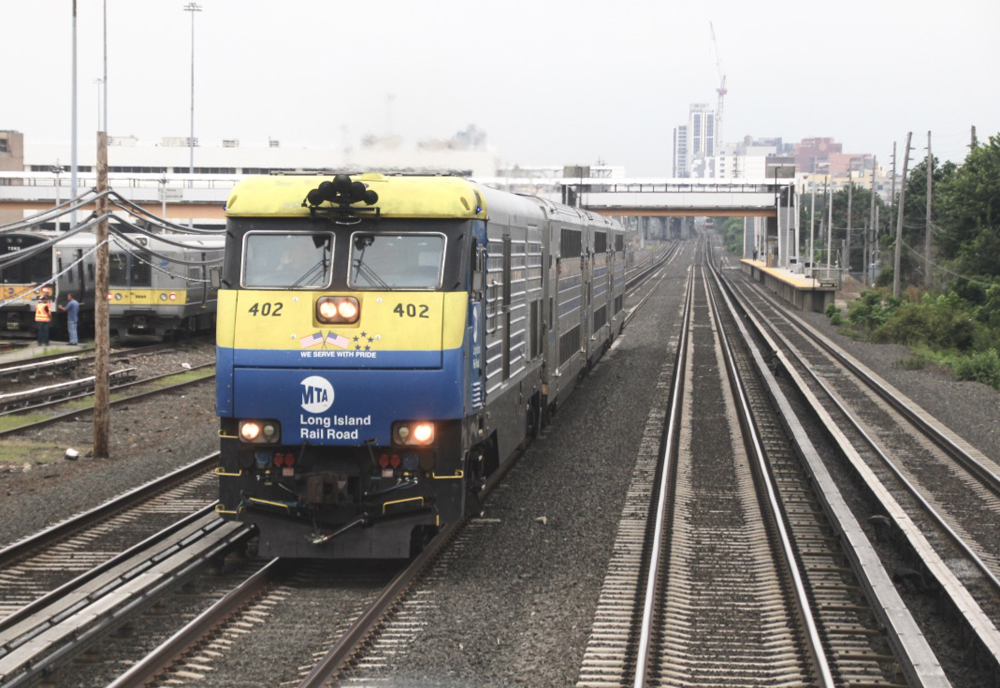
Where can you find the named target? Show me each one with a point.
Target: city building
(695, 144)
(466, 153)
(749, 158)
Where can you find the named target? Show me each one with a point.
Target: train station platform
(805, 293)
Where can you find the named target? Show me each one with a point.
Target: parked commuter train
(386, 343)
(159, 286)
(22, 283)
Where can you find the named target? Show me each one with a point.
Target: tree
(970, 213)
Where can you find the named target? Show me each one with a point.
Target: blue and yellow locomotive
(386, 343)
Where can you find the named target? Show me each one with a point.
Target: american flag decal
(337, 340)
(311, 340)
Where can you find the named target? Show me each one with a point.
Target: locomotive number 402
(266, 309)
(411, 310)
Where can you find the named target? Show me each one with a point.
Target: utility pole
(73, 154)
(829, 222)
(872, 234)
(973, 141)
(812, 228)
(899, 219)
(192, 7)
(102, 333)
(927, 229)
(850, 192)
(892, 188)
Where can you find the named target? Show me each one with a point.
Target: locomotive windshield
(287, 261)
(396, 261)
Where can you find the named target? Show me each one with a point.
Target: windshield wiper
(315, 271)
(370, 275)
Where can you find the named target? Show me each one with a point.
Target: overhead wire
(55, 278)
(23, 255)
(139, 229)
(145, 249)
(920, 255)
(46, 215)
(160, 269)
(134, 209)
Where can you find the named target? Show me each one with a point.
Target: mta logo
(317, 394)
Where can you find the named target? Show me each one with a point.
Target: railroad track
(49, 363)
(936, 498)
(69, 415)
(52, 395)
(42, 562)
(709, 605)
(70, 584)
(60, 625)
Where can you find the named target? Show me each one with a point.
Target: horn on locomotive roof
(341, 193)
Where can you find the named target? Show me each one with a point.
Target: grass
(187, 376)
(26, 451)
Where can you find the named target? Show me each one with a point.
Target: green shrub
(930, 323)
(832, 310)
(869, 312)
(983, 366)
(836, 320)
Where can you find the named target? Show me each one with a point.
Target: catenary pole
(829, 221)
(899, 219)
(872, 234)
(73, 146)
(927, 229)
(850, 200)
(892, 188)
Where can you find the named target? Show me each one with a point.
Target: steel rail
(60, 530)
(918, 661)
(79, 412)
(887, 462)
(160, 659)
(791, 562)
(76, 627)
(52, 595)
(84, 395)
(84, 354)
(669, 453)
(989, 479)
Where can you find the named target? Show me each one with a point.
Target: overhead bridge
(681, 197)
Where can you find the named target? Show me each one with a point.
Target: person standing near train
(72, 309)
(43, 316)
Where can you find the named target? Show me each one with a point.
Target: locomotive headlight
(419, 433)
(337, 309)
(260, 431)
(249, 430)
(423, 433)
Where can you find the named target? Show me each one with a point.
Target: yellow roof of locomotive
(430, 197)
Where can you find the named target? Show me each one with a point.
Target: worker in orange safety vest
(43, 316)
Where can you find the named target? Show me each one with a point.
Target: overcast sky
(551, 82)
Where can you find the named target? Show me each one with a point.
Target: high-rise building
(695, 143)
(680, 151)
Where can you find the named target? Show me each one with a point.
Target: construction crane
(721, 90)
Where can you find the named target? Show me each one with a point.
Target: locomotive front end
(343, 366)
